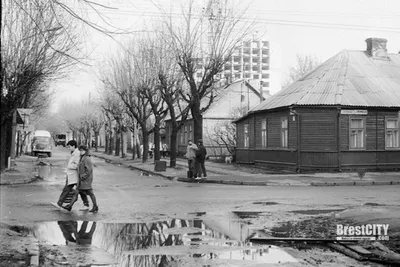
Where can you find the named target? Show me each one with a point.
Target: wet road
(126, 197)
(124, 194)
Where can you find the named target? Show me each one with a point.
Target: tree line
(172, 70)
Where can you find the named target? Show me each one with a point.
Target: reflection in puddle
(213, 241)
(47, 172)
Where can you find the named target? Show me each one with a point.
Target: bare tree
(224, 133)
(125, 81)
(304, 65)
(146, 68)
(170, 82)
(113, 111)
(38, 45)
(203, 43)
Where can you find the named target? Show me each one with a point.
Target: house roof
(229, 93)
(350, 78)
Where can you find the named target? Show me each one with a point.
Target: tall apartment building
(250, 60)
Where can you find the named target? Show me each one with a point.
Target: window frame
(264, 133)
(387, 118)
(364, 129)
(246, 135)
(284, 132)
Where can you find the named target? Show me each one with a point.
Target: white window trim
(398, 133)
(364, 133)
(246, 143)
(264, 139)
(286, 132)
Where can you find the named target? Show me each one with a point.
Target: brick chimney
(376, 48)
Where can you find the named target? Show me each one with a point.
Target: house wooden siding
(323, 145)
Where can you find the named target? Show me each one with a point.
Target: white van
(42, 143)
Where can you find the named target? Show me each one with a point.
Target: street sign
(354, 112)
(24, 114)
(25, 128)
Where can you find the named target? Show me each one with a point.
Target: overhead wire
(307, 23)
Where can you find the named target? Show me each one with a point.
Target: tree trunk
(96, 141)
(110, 141)
(106, 145)
(197, 124)
(17, 153)
(173, 147)
(145, 145)
(123, 142)
(13, 132)
(157, 139)
(137, 145)
(117, 140)
(4, 145)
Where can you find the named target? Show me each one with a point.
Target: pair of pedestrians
(79, 174)
(196, 155)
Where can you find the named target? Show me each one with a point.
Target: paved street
(127, 196)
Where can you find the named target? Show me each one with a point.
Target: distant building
(249, 61)
(344, 115)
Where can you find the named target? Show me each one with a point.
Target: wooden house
(344, 115)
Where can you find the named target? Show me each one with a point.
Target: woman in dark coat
(85, 172)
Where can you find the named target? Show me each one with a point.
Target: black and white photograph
(200, 133)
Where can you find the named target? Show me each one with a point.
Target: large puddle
(176, 242)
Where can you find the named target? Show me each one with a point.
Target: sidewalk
(222, 173)
(24, 171)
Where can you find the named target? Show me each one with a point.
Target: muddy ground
(16, 243)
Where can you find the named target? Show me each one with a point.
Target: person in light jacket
(85, 171)
(72, 177)
(191, 156)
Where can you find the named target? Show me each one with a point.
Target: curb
(356, 183)
(24, 181)
(169, 177)
(232, 182)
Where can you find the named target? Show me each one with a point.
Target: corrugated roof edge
(316, 106)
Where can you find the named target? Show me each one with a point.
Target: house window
(264, 133)
(392, 133)
(190, 132)
(284, 132)
(246, 135)
(357, 130)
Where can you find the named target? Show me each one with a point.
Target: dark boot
(94, 209)
(94, 201)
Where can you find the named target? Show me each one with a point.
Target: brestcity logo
(362, 232)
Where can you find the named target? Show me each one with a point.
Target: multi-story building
(250, 61)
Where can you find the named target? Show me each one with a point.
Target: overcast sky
(318, 27)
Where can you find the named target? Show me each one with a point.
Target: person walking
(72, 177)
(191, 156)
(201, 154)
(85, 172)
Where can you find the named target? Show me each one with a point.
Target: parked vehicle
(60, 139)
(42, 143)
